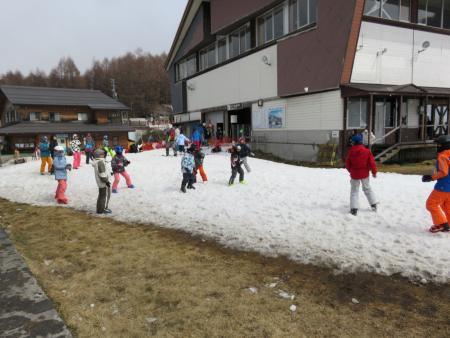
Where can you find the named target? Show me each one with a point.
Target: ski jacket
(235, 160)
(187, 163)
(89, 145)
(245, 150)
(53, 144)
(442, 172)
(181, 140)
(101, 173)
(118, 163)
(45, 149)
(196, 136)
(60, 167)
(199, 156)
(360, 162)
(75, 145)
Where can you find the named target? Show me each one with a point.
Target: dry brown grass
(197, 289)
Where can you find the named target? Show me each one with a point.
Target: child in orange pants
(199, 156)
(438, 203)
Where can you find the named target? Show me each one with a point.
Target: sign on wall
(269, 118)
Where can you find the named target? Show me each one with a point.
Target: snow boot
(114, 191)
(374, 207)
(131, 186)
(107, 211)
(354, 212)
(183, 188)
(242, 182)
(191, 187)
(440, 228)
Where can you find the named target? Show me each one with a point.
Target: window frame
(443, 7)
(270, 14)
(362, 122)
(380, 9)
(37, 116)
(82, 114)
(295, 16)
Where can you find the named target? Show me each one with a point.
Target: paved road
(25, 310)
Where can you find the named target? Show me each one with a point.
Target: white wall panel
(322, 111)
(389, 55)
(247, 79)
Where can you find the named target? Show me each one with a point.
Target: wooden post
(369, 127)
(401, 119)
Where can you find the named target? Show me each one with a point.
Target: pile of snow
(301, 213)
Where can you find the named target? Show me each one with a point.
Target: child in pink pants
(60, 169)
(118, 164)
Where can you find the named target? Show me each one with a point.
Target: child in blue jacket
(187, 168)
(60, 168)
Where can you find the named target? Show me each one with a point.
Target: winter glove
(374, 175)
(69, 167)
(108, 184)
(427, 178)
(125, 163)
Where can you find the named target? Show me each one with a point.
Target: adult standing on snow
(360, 163)
(75, 145)
(101, 171)
(438, 204)
(89, 145)
(170, 139)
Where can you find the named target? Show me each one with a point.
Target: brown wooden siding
(67, 114)
(226, 12)
(315, 58)
(352, 42)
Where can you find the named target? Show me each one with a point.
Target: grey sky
(37, 33)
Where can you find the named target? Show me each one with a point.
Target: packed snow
(301, 213)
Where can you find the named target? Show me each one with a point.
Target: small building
(29, 113)
(297, 74)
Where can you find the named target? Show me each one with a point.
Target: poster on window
(275, 117)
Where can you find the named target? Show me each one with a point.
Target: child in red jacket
(359, 163)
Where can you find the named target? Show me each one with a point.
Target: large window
(208, 57)
(222, 50)
(389, 9)
(35, 116)
(434, 13)
(357, 113)
(54, 117)
(186, 68)
(239, 41)
(271, 25)
(82, 116)
(302, 13)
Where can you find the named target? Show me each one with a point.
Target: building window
(389, 9)
(239, 41)
(186, 68)
(302, 13)
(10, 115)
(435, 13)
(54, 117)
(222, 50)
(82, 116)
(35, 116)
(271, 25)
(208, 57)
(357, 113)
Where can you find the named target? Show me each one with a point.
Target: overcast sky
(37, 33)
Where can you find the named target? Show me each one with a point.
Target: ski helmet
(75, 136)
(443, 142)
(119, 149)
(44, 139)
(59, 150)
(99, 153)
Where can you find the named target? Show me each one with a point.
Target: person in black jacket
(53, 144)
(236, 163)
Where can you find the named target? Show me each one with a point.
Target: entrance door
(379, 121)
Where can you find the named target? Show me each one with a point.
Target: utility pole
(114, 92)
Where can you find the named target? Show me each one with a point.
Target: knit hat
(99, 153)
(357, 139)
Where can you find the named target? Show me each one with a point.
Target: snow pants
(202, 174)
(234, 172)
(44, 161)
(76, 159)
(171, 144)
(438, 204)
(89, 156)
(60, 194)
(354, 194)
(117, 179)
(188, 179)
(104, 194)
(181, 148)
(246, 165)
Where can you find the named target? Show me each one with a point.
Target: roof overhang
(363, 89)
(186, 21)
(63, 128)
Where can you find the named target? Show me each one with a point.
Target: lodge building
(296, 74)
(29, 113)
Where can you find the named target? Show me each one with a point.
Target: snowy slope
(286, 210)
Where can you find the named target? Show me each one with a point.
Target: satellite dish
(426, 44)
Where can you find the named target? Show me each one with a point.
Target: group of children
(192, 163)
(59, 167)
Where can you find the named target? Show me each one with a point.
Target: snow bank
(298, 212)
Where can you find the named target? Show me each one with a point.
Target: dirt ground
(111, 279)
